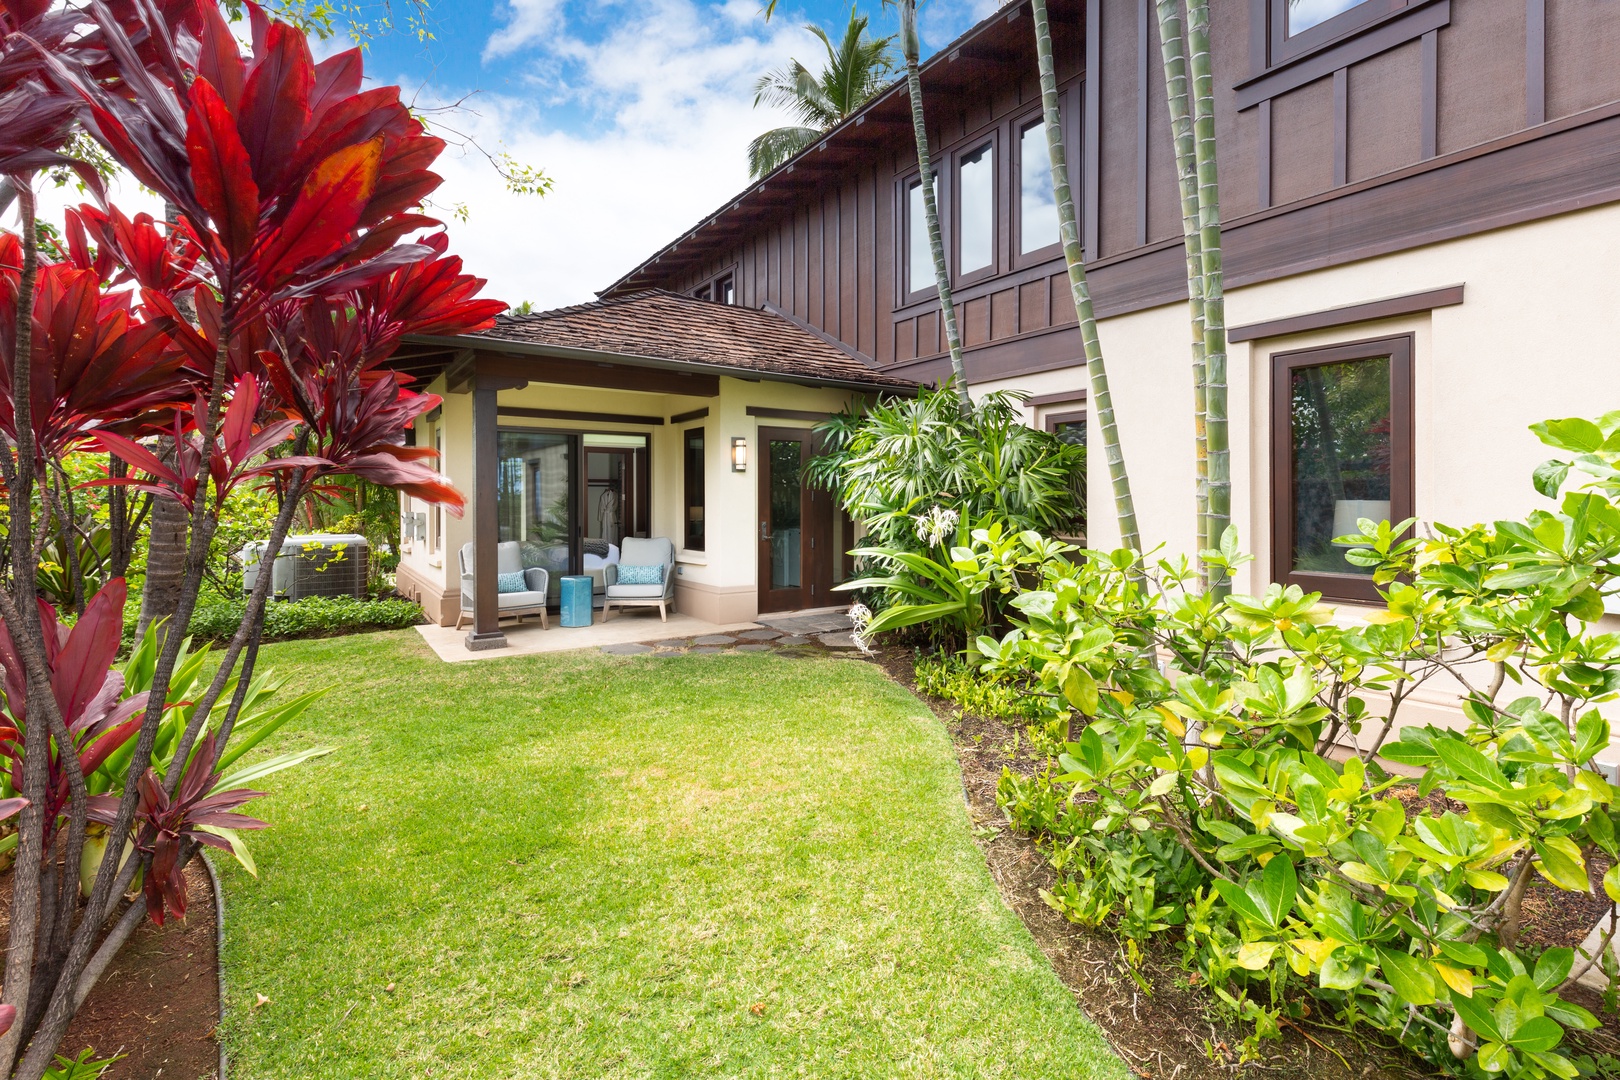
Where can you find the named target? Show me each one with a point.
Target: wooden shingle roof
(660, 325)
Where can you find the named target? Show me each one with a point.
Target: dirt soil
(158, 1004)
(1173, 1032)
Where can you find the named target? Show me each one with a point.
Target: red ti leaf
(221, 170)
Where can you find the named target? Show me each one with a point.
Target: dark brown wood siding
(1437, 118)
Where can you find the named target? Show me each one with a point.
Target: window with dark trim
(1297, 27)
(1035, 206)
(725, 290)
(1341, 450)
(693, 529)
(704, 292)
(919, 257)
(975, 211)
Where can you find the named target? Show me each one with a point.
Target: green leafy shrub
(1229, 786)
(952, 678)
(316, 615)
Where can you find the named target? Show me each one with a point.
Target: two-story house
(1421, 205)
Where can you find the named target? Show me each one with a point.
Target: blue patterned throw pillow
(641, 575)
(513, 582)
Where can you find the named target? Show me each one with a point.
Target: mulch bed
(158, 1004)
(1174, 1032)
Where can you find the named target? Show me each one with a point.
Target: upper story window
(976, 210)
(1037, 208)
(722, 290)
(1341, 451)
(1299, 27)
(919, 257)
(1304, 14)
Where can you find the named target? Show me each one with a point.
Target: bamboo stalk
(1179, 94)
(1209, 228)
(1102, 400)
(925, 168)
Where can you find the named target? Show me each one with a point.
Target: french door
(796, 556)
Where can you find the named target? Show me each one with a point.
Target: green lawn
(587, 866)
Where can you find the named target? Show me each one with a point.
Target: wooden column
(486, 632)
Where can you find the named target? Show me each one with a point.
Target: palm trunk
(1179, 93)
(1102, 402)
(925, 169)
(1209, 230)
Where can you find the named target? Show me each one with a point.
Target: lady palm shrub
(904, 456)
(1229, 787)
(924, 477)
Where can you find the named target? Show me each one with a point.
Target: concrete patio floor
(634, 632)
(527, 637)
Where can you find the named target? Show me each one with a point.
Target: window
(725, 290)
(704, 292)
(919, 256)
(1304, 14)
(975, 210)
(1300, 27)
(693, 539)
(1037, 209)
(1341, 451)
(436, 530)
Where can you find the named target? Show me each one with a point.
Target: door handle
(764, 530)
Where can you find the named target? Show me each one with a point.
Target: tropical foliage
(239, 346)
(1234, 786)
(857, 67)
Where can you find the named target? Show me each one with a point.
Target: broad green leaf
(1560, 862)
(260, 769)
(1274, 890)
(1413, 979)
(1469, 764)
(1256, 955)
(1240, 902)
(1081, 690)
(1537, 1036)
(1553, 967)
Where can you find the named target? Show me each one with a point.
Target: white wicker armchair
(641, 551)
(508, 560)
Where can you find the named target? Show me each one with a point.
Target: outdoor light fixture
(739, 454)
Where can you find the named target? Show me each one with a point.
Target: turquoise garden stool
(576, 600)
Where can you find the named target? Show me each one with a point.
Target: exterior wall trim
(1349, 314)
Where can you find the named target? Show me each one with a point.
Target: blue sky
(640, 110)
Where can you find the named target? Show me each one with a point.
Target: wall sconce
(739, 454)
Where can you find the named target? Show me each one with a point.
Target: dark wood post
(486, 631)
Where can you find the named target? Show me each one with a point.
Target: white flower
(859, 617)
(934, 526)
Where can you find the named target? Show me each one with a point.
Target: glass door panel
(535, 502)
(786, 512)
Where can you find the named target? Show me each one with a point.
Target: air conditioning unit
(316, 564)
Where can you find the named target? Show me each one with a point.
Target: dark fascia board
(1063, 397)
(656, 363)
(1350, 314)
(941, 60)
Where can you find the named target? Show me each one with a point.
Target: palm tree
(1068, 229)
(857, 67)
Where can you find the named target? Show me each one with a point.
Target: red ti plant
(297, 194)
(168, 824)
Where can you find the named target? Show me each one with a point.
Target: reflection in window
(534, 497)
(725, 290)
(1072, 432)
(1341, 458)
(694, 538)
(919, 259)
(1037, 209)
(976, 205)
(786, 506)
(1304, 14)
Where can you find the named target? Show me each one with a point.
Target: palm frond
(771, 149)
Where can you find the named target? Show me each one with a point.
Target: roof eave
(657, 363)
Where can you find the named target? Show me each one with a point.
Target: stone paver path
(829, 631)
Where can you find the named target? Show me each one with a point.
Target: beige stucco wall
(719, 583)
(1535, 337)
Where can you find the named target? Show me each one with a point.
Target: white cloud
(671, 91)
(941, 22)
(527, 22)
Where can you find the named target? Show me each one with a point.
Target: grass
(584, 866)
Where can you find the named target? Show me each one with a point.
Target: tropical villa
(1419, 201)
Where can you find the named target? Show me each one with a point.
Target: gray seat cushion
(634, 592)
(521, 600)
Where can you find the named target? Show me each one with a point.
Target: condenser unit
(318, 564)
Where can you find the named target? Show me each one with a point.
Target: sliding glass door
(570, 498)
